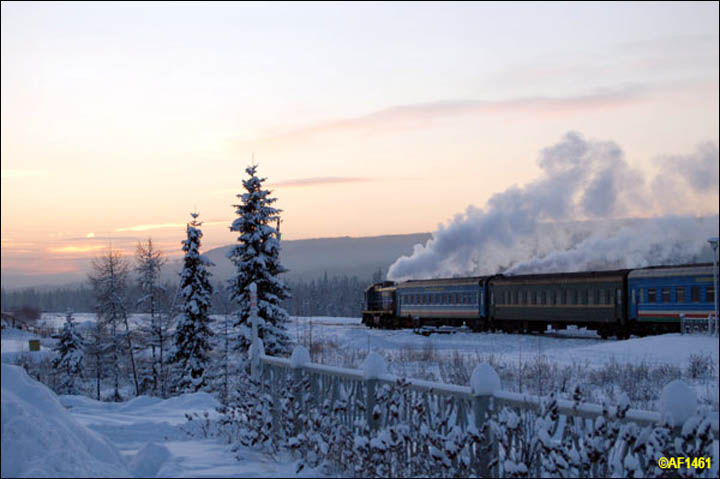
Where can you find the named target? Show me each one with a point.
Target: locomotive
(618, 303)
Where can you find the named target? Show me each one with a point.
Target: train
(650, 300)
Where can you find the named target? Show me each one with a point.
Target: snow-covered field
(44, 435)
(146, 437)
(578, 345)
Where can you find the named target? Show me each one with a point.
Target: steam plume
(539, 227)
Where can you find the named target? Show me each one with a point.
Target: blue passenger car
(660, 294)
(451, 301)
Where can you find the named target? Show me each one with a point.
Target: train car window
(618, 296)
(710, 294)
(641, 298)
(680, 294)
(651, 295)
(665, 292)
(634, 300)
(695, 294)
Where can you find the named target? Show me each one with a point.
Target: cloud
(150, 227)
(323, 180)
(418, 113)
(165, 225)
(76, 249)
(7, 174)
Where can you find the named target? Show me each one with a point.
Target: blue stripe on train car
(662, 294)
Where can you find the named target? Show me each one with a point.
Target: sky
(119, 119)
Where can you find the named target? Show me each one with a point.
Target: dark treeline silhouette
(336, 296)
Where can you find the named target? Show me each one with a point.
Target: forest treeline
(334, 296)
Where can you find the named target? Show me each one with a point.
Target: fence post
(299, 357)
(483, 383)
(678, 402)
(370, 385)
(373, 367)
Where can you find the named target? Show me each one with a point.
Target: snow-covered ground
(44, 435)
(147, 437)
(578, 345)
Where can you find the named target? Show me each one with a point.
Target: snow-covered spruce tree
(191, 352)
(69, 361)
(257, 260)
(109, 282)
(149, 263)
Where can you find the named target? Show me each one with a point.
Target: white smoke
(537, 228)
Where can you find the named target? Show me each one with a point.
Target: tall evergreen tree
(69, 361)
(149, 263)
(257, 260)
(191, 353)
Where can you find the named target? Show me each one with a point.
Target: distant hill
(345, 256)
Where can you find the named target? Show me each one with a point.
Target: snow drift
(41, 439)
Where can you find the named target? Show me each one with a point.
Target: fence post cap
(484, 380)
(374, 366)
(300, 356)
(678, 402)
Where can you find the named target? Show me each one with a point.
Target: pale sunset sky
(119, 119)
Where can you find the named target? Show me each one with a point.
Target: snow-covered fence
(707, 325)
(359, 399)
(377, 424)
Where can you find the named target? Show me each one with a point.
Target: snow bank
(148, 461)
(41, 439)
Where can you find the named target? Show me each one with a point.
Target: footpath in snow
(44, 435)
